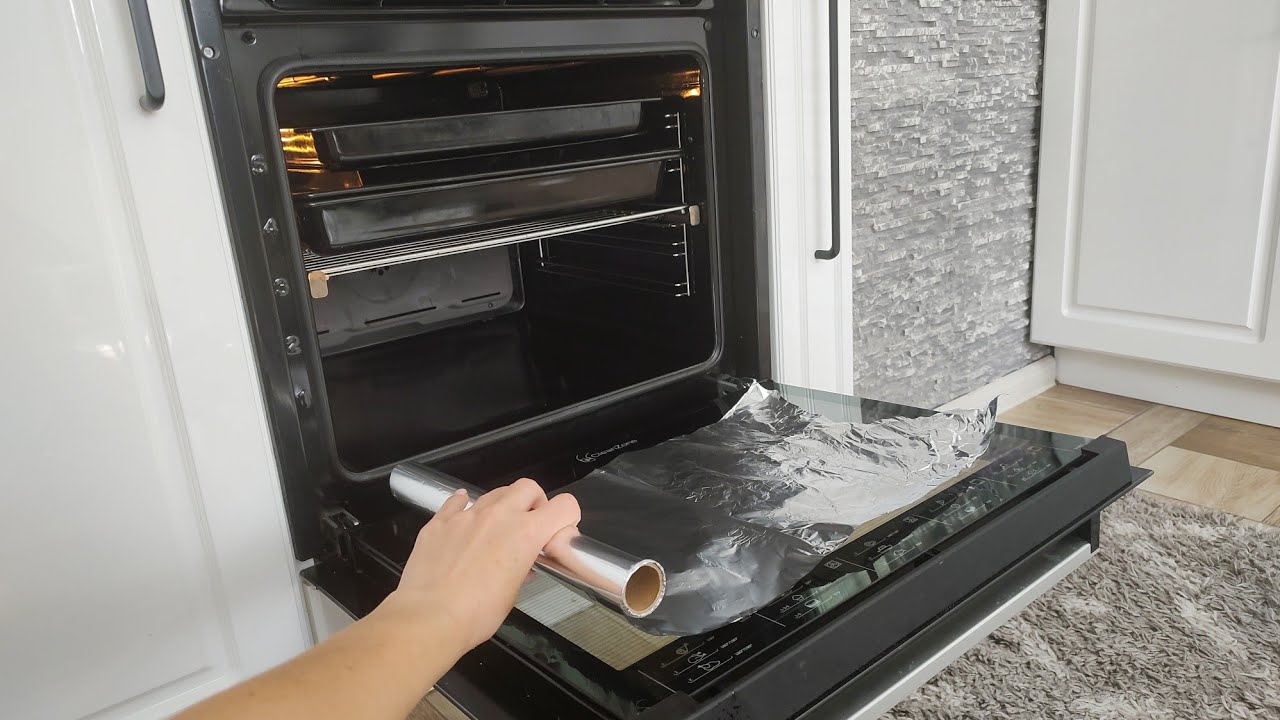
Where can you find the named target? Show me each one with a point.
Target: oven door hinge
(341, 526)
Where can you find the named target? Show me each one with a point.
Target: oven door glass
(593, 654)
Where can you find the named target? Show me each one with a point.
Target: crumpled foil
(740, 510)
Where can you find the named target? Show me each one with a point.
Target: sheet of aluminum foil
(741, 509)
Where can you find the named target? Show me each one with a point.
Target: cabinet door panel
(1156, 232)
(111, 605)
(145, 560)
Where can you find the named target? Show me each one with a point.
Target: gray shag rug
(1177, 617)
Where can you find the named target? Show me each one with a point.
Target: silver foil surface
(740, 510)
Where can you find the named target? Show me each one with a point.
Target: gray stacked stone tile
(946, 97)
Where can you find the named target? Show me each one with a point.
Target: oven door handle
(833, 48)
(152, 78)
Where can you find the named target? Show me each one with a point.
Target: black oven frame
(244, 46)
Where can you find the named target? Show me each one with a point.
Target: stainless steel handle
(833, 49)
(152, 78)
(634, 585)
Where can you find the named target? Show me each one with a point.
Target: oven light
(691, 93)
(389, 75)
(458, 70)
(301, 80)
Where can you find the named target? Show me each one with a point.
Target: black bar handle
(145, 37)
(833, 47)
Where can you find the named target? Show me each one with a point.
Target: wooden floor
(1201, 459)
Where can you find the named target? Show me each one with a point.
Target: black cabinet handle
(833, 46)
(145, 37)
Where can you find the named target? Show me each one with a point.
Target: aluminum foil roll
(635, 586)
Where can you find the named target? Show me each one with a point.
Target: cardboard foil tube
(635, 586)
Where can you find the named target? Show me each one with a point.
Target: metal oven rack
(658, 264)
(320, 268)
(655, 261)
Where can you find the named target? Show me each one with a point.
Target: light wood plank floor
(1205, 460)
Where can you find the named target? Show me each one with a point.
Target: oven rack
(320, 268)
(655, 264)
(678, 288)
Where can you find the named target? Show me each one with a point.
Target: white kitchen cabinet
(146, 564)
(1156, 234)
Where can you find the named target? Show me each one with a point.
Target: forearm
(378, 668)
(461, 579)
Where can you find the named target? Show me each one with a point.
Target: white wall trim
(811, 300)
(1013, 389)
(1201, 390)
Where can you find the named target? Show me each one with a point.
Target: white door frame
(811, 300)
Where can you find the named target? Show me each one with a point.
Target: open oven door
(868, 625)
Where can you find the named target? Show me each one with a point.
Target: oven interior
(485, 244)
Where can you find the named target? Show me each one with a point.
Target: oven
(514, 238)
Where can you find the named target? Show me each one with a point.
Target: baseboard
(1013, 389)
(1200, 390)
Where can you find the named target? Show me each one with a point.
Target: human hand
(467, 565)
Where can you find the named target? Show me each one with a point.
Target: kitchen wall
(945, 97)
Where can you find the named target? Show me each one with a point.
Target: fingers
(547, 517)
(559, 542)
(526, 494)
(555, 515)
(523, 494)
(456, 503)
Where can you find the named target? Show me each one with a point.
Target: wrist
(427, 621)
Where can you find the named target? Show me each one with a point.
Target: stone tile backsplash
(946, 97)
